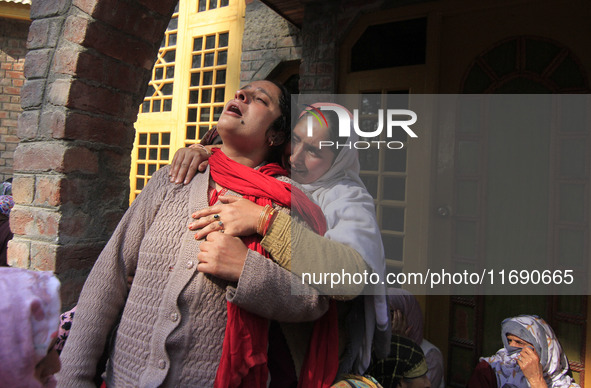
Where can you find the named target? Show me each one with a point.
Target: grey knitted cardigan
(172, 327)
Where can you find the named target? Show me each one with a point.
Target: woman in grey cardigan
(173, 318)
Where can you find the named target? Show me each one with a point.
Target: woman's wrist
(200, 146)
(539, 383)
(535, 378)
(269, 221)
(266, 217)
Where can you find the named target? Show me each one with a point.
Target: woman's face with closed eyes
(247, 118)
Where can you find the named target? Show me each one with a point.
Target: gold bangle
(200, 146)
(268, 221)
(262, 218)
(261, 215)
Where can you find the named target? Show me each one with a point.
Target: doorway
(467, 195)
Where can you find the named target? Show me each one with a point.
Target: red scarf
(244, 351)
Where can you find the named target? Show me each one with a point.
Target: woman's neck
(252, 159)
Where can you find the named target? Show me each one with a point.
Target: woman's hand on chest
(222, 256)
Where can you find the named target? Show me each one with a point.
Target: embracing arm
(105, 291)
(288, 241)
(187, 161)
(240, 218)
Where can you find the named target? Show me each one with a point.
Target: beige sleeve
(330, 266)
(277, 241)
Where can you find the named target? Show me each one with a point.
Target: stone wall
(87, 69)
(326, 24)
(13, 40)
(268, 41)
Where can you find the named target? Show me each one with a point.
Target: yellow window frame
(173, 124)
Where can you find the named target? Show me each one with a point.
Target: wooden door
(466, 195)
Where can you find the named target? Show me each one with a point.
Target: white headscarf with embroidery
(537, 332)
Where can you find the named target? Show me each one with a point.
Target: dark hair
(211, 137)
(282, 124)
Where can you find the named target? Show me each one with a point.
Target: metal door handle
(443, 211)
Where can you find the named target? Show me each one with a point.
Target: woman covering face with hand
(197, 312)
(531, 357)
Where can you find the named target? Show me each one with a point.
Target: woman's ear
(276, 139)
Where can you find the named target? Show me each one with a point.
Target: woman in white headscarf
(29, 317)
(330, 177)
(531, 357)
(349, 210)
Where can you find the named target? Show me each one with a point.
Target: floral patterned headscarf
(6, 204)
(537, 332)
(29, 318)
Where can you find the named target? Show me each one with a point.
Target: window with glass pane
(158, 96)
(394, 44)
(208, 5)
(384, 170)
(153, 151)
(207, 84)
